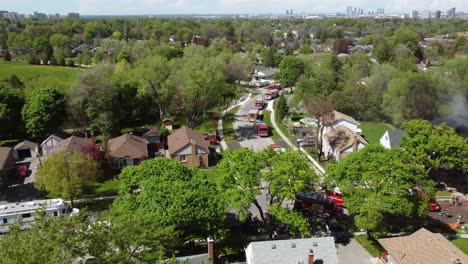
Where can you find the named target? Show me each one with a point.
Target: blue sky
(122, 7)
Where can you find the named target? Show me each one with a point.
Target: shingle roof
(72, 143)
(422, 246)
(27, 144)
(341, 116)
(342, 137)
(293, 251)
(182, 137)
(194, 259)
(128, 146)
(58, 135)
(152, 132)
(394, 136)
(4, 155)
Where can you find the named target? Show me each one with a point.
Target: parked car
(433, 205)
(336, 231)
(22, 171)
(306, 143)
(212, 139)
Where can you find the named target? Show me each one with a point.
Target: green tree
(43, 49)
(382, 50)
(61, 45)
(43, 111)
(198, 210)
(97, 57)
(298, 225)
(306, 49)
(435, 146)
(10, 111)
(291, 68)
(381, 184)
(322, 111)
(239, 179)
(153, 74)
(282, 108)
(66, 173)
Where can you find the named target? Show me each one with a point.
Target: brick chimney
(194, 157)
(210, 250)
(310, 258)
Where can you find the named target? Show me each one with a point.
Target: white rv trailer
(24, 213)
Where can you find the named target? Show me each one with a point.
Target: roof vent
(273, 246)
(293, 245)
(314, 243)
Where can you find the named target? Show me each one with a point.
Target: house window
(64, 211)
(55, 213)
(5, 220)
(118, 164)
(183, 158)
(26, 215)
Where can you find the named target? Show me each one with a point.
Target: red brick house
(188, 147)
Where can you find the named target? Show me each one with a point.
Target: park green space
(62, 76)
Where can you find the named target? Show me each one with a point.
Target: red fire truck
(261, 128)
(317, 203)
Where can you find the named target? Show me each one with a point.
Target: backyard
(373, 131)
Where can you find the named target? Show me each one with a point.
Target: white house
(49, 143)
(391, 138)
(340, 141)
(343, 120)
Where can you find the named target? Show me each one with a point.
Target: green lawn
(58, 75)
(443, 193)
(373, 247)
(228, 125)
(373, 131)
(267, 120)
(211, 174)
(99, 189)
(462, 244)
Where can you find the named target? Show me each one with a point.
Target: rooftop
(128, 146)
(4, 154)
(423, 246)
(182, 137)
(10, 208)
(72, 143)
(292, 251)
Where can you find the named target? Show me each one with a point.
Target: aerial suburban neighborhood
(233, 132)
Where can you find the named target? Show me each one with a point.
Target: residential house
(153, 137)
(127, 150)
(7, 165)
(391, 138)
(49, 143)
(25, 150)
(168, 123)
(262, 73)
(72, 143)
(304, 251)
(188, 147)
(422, 246)
(81, 48)
(341, 119)
(341, 141)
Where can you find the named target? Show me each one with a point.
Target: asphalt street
(244, 129)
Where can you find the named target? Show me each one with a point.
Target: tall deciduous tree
(10, 111)
(66, 173)
(291, 68)
(380, 185)
(174, 195)
(153, 73)
(282, 108)
(43, 111)
(61, 46)
(435, 146)
(322, 111)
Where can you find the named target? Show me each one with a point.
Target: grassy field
(462, 244)
(373, 247)
(373, 131)
(61, 76)
(267, 120)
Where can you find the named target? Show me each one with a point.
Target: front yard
(372, 246)
(373, 131)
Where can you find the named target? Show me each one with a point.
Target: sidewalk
(318, 169)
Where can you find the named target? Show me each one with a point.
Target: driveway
(352, 253)
(244, 129)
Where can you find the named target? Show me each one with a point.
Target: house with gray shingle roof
(293, 251)
(391, 138)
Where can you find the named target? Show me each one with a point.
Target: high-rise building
(291, 12)
(426, 14)
(349, 10)
(287, 12)
(437, 14)
(74, 15)
(415, 14)
(451, 13)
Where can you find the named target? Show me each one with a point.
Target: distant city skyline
(142, 7)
